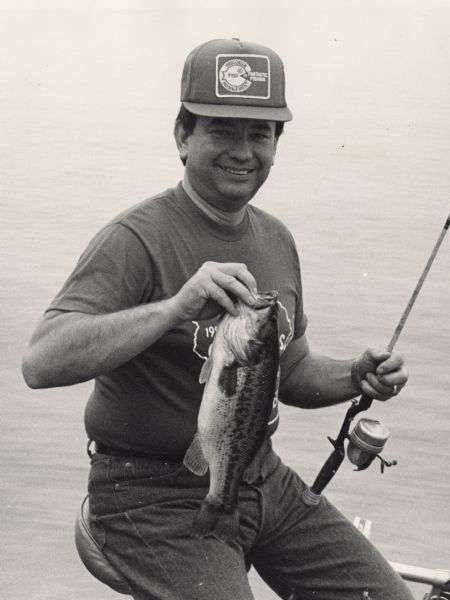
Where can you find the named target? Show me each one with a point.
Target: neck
(215, 214)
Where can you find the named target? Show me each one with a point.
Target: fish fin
(227, 527)
(194, 458)
(206, 370)
(215, 519)
(228, 379)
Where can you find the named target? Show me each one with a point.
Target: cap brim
(229, 111)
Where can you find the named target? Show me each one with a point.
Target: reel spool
(366, 441)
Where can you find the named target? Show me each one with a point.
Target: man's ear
(274, 150)
(182, 140)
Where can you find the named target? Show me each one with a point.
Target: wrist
(172, 312)
(356, 377)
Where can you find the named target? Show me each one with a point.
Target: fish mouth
(263, 299)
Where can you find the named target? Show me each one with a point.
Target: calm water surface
(361, 179)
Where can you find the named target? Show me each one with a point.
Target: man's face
(227, 160)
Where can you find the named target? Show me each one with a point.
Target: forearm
(318, 381)
(69, 348)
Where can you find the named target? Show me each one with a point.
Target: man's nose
(240, 148)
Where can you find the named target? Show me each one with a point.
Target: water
(88, 100)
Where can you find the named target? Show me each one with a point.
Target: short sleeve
(301, 320)
(112, 274)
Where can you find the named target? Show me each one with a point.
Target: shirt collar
(215, 214)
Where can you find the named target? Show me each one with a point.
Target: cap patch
(242, 76)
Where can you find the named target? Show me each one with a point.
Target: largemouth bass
(241, 380)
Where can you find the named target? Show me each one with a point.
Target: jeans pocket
(98, 531)
(136, 472)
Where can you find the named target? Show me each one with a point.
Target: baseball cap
(235, 79)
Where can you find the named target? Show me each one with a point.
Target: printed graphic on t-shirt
(203, 336)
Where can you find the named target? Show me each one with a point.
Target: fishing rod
(369, 436)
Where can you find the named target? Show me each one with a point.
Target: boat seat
(90, 552)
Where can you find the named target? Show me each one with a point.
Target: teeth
(237, 171)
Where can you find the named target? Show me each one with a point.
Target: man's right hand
(70, 347)
(212, 289)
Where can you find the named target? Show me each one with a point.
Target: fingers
(213, 288)
(218, 295)
(383, 374)
(236, 283)
(374, 388)
(239, 272)
(372, 359)
(392, 363)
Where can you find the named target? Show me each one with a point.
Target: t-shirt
(150, 404)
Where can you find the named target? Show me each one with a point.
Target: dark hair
(188, 120)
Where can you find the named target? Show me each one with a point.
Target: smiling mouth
(237, 172)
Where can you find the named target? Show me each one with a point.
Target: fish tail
(217, 519)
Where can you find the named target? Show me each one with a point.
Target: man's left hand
(381, 374)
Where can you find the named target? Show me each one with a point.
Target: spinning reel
(369, 436)
(365, 443)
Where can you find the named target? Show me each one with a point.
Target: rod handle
(365, 402)
(328, 470)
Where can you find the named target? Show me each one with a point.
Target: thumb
(370, 360)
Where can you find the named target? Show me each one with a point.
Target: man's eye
(221, 132)
(259, 137)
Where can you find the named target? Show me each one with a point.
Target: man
(139, 313)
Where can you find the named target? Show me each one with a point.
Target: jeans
(144, 509)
